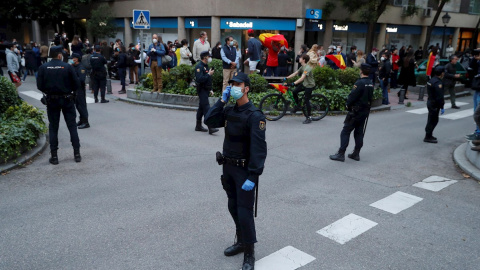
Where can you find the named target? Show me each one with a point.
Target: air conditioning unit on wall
(427, 12)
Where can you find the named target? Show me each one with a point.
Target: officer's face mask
(70, 61)
(209, 60)
(236, 92)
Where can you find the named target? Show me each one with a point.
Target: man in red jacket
(395, 62)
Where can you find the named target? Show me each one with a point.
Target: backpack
(130, 59)
(86, 62)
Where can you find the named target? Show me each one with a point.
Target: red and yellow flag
(430, 63)
(280, 87)
(338, 60)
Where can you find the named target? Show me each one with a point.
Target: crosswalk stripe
(37, 95)
(458, 115)
(287, 258)
(347, 228)
(435, 183)
(397, 202)
(425, 110)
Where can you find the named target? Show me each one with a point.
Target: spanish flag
(430, 63)
(337, 59)
(279, 87)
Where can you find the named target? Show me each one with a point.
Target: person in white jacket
(185, 54)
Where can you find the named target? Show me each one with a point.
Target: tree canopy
(45, 10)
(101, 23)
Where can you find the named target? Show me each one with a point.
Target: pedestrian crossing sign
(141, 19)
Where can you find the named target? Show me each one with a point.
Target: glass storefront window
(474, 7)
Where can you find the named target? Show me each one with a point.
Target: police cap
(204, 54)
(439, 70)
(75, 55)
(241, 78)
(56, 49)
(365, 66)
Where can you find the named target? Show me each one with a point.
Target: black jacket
(122, 60)
(386, 70)
(57, 78)
(373, 62)
(435, 92)
(449, 78)
(361, 95)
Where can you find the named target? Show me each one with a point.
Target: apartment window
(452, 6)
(474, 7)
(400, 3)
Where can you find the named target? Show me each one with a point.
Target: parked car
(464, 76)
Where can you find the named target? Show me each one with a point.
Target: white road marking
(396, 202)
(435, 183)
(37, 95)
(347, 228)
(458, 115)
(447, 106)
(287, 258)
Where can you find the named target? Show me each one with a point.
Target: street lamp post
(446, 19)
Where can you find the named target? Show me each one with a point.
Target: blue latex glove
(442, 111)
(226, 93)
(248, 185)
(284, 79)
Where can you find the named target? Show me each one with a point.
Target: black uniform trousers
(307, 96)
(122, 72)
(240, 202)
(67, 107)
(432, 121)
(355, 123)
(81, 104)
(204, 104)
(99, 84)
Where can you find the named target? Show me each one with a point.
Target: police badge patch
(439, 86)
(262, 125)
(198, 70)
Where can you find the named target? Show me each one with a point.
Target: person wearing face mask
(243, 159)
(185, 54)
(340, 52)
(229, 59)
(203, 78)
(352, 56)
(13, 64)
(216, 51)
(98, 77)
(155, 51)
(81, 98)
(331, 51)
(200, 45)
(122, 67)
(65, 41)
(373, 62)
(60, 83)
(384, 76)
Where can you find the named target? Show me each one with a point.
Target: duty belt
(235, 162)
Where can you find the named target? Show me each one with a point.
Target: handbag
(476, 83)
(166, 59)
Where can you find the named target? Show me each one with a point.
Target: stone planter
(377, 102)
(164, 98)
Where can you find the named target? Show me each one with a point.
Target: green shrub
(182, 72)
(217, 77)
(326, 77)
(377, 93)
(336, 98)
(20, 127)
(348, 76)
(8, 95)
(147, 80)
(258, 83)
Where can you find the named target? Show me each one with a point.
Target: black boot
(430, 139)
(212, 130)
(339, 156)
(355, 155)
(54, 157)
(199, 127)
(249, 257)
(76, 154)
(123, 91)
(236, 248)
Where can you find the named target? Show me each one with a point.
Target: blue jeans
(271, 71)
(384, 86)
(476, 101)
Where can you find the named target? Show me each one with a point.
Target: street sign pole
(142, 62)
(141, 20)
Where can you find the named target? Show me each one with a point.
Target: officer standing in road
(358, 105)
(59, 82)
(81, 99)
(203, 77)
(99, 74)
(435, 102)
(243, 159)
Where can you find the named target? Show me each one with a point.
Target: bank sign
(257, 24)
(315, 14)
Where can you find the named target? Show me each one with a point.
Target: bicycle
(274, 106)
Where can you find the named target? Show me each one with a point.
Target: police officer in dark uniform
(358, 105)
(59, 82)
(435, 102)
(203, 77)
(81, 99)
(243, 159)
(99, 74)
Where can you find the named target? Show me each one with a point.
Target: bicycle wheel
(273, 106)
(320, 106)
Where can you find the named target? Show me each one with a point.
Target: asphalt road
(147, 195)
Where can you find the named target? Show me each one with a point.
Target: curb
(461, 160)
(41, 145)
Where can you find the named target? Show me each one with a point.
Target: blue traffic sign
(141, 19)
(313, 14)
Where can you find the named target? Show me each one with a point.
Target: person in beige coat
(313, 54)
(185, 54)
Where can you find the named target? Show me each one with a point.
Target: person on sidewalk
(60, 83)
(384, 76)
(243, 160)
(200, 45)
(475, 66)
(395, 67)
(156, 50)
(450, 77)
(229, 60)
(81, 97)
(122, 67)
(407, 73)
(203, 78)
(132, 55)
(98, 78)
(435, 102)
(373, 63)
(254, 51)
(358, 105)
(185, 54)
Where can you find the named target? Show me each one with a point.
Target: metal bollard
(109, 86)
(402, 96)
(421, 93)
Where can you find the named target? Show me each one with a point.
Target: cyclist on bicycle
(305, 83)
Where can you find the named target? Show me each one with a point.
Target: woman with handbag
(13, 65)
(185, 54)
(407, 73)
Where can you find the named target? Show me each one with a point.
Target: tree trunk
(430, 28)
(371, 26)
(473, 44)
